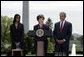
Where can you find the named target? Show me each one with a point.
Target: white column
(73, 50)
(25, 15)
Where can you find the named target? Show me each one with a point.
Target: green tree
(50, 46)
(5, 26)
(71, 38)
(81, 40)
(49, 23)
(51, 41)
(29, 43)
(5, 32)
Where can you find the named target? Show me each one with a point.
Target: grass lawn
(3, 55)
(35, 55)
(76, 55)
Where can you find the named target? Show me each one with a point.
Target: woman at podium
(41, 25)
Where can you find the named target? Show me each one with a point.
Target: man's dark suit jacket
(44, 27)
(65, 34)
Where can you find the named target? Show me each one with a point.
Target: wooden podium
(40, 50)
(15, 50)
(40, 34)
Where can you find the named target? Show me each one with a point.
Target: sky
(73, 9)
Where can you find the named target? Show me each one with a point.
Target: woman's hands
(17, 43)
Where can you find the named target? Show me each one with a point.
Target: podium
(40, 34)
(15, 50)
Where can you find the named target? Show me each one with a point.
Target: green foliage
(51, 41)
(29, 43)
(71, 38)
(50, 46)
(49, 23)
(5, 33)
(81, 40)
(78, 42)
(5, 26)
(78, 45)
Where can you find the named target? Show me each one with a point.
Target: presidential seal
(40, 32)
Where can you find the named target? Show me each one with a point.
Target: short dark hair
(63, 13)
(15, 18)
(40, 16)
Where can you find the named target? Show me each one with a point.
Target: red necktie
(61, 27)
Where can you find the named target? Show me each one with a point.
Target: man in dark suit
(62, 33)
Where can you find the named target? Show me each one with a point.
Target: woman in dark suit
(41, 25)
(17, 33)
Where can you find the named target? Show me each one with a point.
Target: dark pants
(62, 48)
